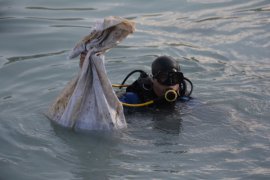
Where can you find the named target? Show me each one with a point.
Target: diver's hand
(82, 57)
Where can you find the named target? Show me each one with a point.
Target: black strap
(142, 75)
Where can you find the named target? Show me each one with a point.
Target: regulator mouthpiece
(170, 95)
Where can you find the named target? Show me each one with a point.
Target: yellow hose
(167, 98)
(119, 85)
(132, 105)
(138, 105)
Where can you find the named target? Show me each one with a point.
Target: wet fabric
(88, 102)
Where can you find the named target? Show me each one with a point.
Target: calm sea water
(222, 46)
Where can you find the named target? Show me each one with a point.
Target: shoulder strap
(144, 88)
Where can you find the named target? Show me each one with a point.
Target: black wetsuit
(143, 87)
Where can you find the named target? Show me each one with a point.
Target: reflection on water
(21, 58)
(60, 9)
(222, 46)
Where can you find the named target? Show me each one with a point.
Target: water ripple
(56, 19)
(61, 9)
(70, 26)
(22, 58)
(4, 18)
(215, 18)
(221, 46)
(261, 9)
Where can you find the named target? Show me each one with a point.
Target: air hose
(138, 105)
(120, 85)
(142, 75)
(132, 105)
(170, 96)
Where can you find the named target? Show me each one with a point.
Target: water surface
(222, 46)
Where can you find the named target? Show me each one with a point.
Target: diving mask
(169, 78)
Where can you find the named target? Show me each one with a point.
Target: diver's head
(166, 71)
(166, 75)
(164, 64)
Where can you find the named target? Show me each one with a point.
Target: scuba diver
(163, 88)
